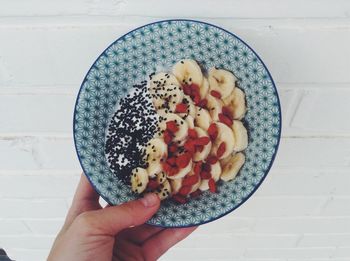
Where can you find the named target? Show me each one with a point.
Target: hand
(91, 232)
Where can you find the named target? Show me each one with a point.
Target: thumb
(113, 219)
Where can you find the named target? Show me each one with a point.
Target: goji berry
(227, 112)
(196, 98)
(152, 184)
(197, 168)
(172, 126)
(221, 150)
(205, 175)
(187, 89)
(212, 159)
(185, 190)
(202, 103)
(196, 193)
(213, 131)
(189, 146)
(212, 185)
(194, 88)
(179, 199)
(192, 133)
(172, 171)
(190, 180)
(171, 161)
(224, 119)
(216, 94)
(199, 148)
(206, 167)
(167, 137)
(172, 148)
(183, 160)
(202, 141)
(181, 108)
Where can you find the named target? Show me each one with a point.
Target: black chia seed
(131, 127)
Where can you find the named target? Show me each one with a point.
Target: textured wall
(300, 213)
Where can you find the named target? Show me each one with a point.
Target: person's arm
(91, 232)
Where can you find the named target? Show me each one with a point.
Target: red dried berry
(173, 171)
(189, 146)
(192, 133)
(179, 199)
(196, 98)
(213, 131)
(202, 103)
(202, 141)
(212, 159)
(216, 94)
(194, 88)
(205, 175)
(221, 150)
(152, 184)
(199, 148)
(172, 126)
(166, 167)
(212, 185)
(185, 190)
(206, 167)
(197, 168)
(196, 193)
(181, 108)
(227, 112)
(190, 180)
(186, 88)
(224, 119)
(172, 148)
(167, 136)
(183, 160)
(171, 161)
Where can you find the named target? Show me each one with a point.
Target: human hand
(91, 232)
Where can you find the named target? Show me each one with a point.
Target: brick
(39, 208)
(229, 224)
(45, 226)
(336, 206)
(289, 253)
(37, 186)
(13, 227)
(299, 225)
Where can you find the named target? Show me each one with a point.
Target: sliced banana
(231, 169)
(214, 107)
(190, 121)
(204, 88)
(156, 150)
(187, 71)
(139, 180)
(225, 134)
(226, 160)
(162, 79)
(197, 184)
(167, 97)
(175, 185)
(198, 156)
(221, 81)
(241, 135)
(191, 108)
(164, 190)
(182, 172)
(236, 103)
(161, 177)
(181, 134)
(215, 174)
(202, 118)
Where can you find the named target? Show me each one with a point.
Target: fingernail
(149, 200)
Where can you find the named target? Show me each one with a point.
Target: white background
(300, 213)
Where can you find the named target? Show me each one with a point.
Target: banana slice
(182, 172)
(181, 134)
(191, 108)
(162, 79)
(164, 190)
(236, 103)
(221, 81)
(161, 177)
(226, 160)
(215, 174)
(190, 121)
(188, 71)
(202, 118)
(197, 184)
(214, 107)
(204, 88)
(198, 156)
(175, 185)
(241, 135)
(167, 97)
(139, 180)
(225, 134)
(156, 150)
(231, 169)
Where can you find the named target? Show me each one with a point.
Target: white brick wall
(300, 213)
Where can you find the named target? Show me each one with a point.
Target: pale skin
(91, 232)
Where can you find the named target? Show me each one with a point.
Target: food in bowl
(179, 133)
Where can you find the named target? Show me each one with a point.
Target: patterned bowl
(128, 61)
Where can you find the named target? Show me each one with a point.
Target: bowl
(147, 49)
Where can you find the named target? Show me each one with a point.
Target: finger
(111, 220)
(157, 245)
(125, 250)
(139, 234)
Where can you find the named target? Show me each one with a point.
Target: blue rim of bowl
(273, 84)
